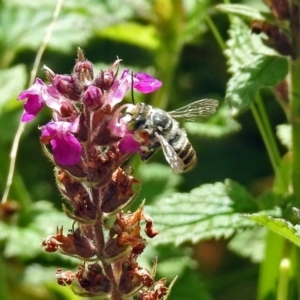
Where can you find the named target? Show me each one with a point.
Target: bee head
(139, 114)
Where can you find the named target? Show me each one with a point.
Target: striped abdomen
(183, 148)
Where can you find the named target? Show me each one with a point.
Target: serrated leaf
(249, 243)
(252, 64)
(209, 211)
(242, 45)
(262, 71)
(279, 226)
(243, 11)
(284, 133)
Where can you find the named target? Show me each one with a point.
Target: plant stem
(283, 280)
(267, 134)
(294, 96)
(268, 274)
(295, 102)
(295, 122)
(215, 32)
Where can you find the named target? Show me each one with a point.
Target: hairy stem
(99, 241)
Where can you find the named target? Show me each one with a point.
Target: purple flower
(66, 148)
(145, 83)
(129, 145)
(118, 125)
(39, 95)
(34, 102)
(118, 91)
(142, 82)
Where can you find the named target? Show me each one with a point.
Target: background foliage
(203, 239)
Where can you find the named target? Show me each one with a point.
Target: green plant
(262, 54)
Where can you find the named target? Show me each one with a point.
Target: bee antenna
(132, 94)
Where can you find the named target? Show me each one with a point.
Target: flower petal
(66, 149)
(118, 125)
(32, 107)
(119, 89)
(145, 83)
(34, 100)
(129, 145)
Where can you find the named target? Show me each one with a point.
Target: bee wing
(198, 110)
(171, 156)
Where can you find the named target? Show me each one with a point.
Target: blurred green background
(173, 41)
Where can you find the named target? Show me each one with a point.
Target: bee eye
(161, 119)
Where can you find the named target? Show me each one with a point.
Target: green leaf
(189, 286)
(219, 125)
(209, 211)
(195, 18)
(144, 36)
(242, 45)
(252, 64)
(153, 177)
(279, 226)
(249, 243)
(12, 82)
(262, 71)
(243, 11)
(24, 239)
(15, 36)
(79, 17)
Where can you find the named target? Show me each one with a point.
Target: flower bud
(104, 80)
(83, 69)
(92, 96)
(68, 86)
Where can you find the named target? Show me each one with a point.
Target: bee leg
(146, 154)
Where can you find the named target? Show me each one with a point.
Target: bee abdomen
(184, 150)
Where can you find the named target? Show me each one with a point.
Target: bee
(155, 128)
